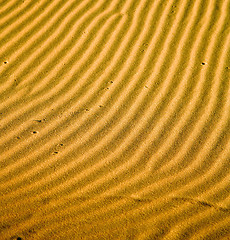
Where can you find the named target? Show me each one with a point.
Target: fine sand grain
(115, 119)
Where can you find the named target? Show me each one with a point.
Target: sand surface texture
(115, 119)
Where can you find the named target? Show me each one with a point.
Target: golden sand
(115, 119)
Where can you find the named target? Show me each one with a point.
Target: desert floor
(115, 119)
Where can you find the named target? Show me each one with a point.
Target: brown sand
(115, 119)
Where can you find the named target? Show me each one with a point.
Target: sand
(115, 119)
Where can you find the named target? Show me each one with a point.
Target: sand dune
(114, 119)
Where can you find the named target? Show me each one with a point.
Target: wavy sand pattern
(115, 119)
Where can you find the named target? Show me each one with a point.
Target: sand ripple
(114, 119)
